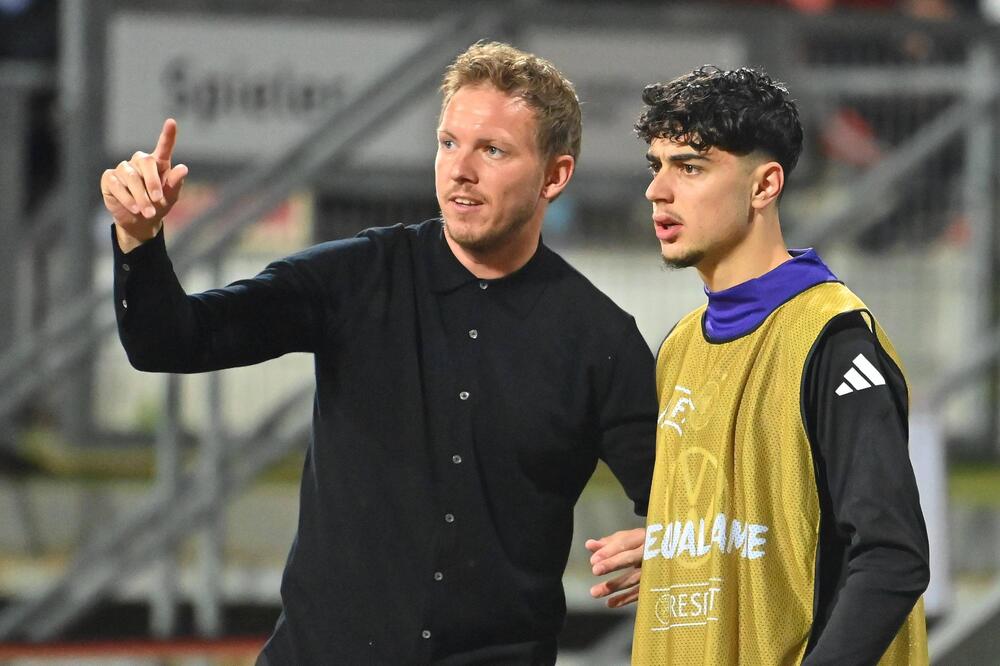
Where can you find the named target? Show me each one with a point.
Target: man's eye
(689, 168)
(493, 151)
(446, 143)
(654, 168)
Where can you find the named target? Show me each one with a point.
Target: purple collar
(734, 312)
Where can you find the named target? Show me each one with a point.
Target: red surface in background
(136, 648)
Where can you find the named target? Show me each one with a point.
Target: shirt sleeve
(873, 555)
(285, 308)
(627, 418)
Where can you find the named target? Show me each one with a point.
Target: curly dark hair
(739, 111)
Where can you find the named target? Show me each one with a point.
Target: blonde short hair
(535, 80)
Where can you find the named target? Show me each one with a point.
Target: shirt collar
(446, 272)
(518, 291)
(734, 312)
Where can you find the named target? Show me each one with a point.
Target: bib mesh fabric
(733, 524)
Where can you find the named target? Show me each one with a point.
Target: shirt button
(464, 395)
(425, 633)
(484, 284)
(457, 459)
(438, 576)
(449, 518)
(125, 304)
(126, 268)
(473, 334)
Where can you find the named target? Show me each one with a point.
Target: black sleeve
(283, 309)
(627, 418)
(873, 556)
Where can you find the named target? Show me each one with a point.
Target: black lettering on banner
(234, 93)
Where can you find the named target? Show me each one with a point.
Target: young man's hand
(621, 551)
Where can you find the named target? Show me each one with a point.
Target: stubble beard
(492, 238)
(687, 260)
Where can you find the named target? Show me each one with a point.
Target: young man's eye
(689, 168)
(653, 168)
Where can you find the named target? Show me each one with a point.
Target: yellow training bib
(732, 535)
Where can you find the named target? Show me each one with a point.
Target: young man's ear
(557, 176)
(768, 183)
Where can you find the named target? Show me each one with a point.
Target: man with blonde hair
(467, 382)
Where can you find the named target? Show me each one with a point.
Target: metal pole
(992, 197)
(208, 615)
(13, 198)
(78, 91)
(163, 601)
(978, 202)
(13, 185)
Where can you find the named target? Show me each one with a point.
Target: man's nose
(462, 167)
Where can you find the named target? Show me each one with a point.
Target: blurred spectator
(855, 133)
(29, 29)
(926, 9)
(824, 6)
(820, 6)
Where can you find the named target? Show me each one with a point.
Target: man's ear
(768, 183)
(557, 175)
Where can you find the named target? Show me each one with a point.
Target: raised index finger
(165, 144)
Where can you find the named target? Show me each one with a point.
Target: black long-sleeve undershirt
(873, 555)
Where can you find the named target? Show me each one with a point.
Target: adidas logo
(861, 376)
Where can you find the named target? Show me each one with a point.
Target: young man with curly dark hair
(784, 523)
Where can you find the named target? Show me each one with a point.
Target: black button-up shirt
(456, 422)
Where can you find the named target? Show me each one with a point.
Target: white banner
(243, 88)
(239, 88)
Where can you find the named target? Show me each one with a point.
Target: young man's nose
(660, 188)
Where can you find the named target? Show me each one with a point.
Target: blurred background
(145, 519)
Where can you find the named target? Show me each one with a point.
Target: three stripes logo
(862, 375)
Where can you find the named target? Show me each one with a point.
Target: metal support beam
(971, 636)
(160, 525)
(885, 81)
(872, 187)
(980, 361)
